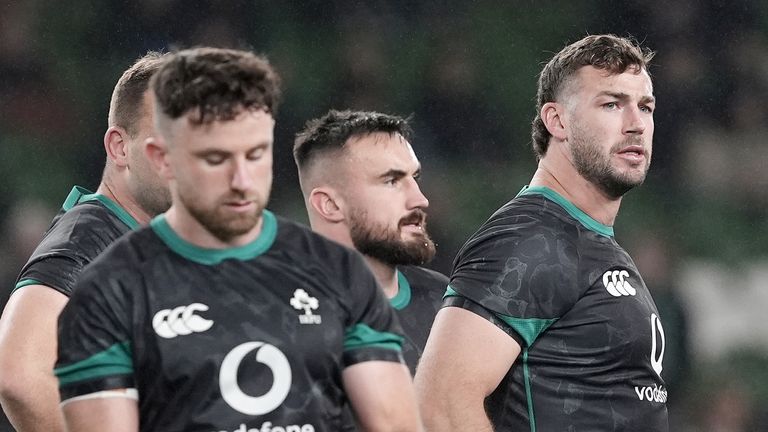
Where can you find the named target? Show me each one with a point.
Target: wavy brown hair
(215, 84)
(610, 53)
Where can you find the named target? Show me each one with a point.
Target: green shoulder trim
(450, 292)
(115, 360)
(80, 195)
(403, 297)
(572, 210)
(25, 282)
(362, 336)
(528, 328)
(214, 256)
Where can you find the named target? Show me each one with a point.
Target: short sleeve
(57, 271)
(521, 270)
(372, 331)
(95, 351)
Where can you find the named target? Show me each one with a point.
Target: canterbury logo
(616, 284)
(169, 323)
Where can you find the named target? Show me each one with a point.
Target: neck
(566, 181)
(120, 195)
(385, 274)
(191, 231)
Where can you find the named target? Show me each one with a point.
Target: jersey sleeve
(94, 348)
(518, 270)
(372, 332)
(57, 271)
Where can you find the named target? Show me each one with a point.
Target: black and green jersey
(592, 343)
(86, 224)
(418, 299)
(226, 340)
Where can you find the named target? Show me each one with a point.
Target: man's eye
(214, 159)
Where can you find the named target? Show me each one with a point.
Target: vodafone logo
(658, 344)
(266, 354)
(616, 285)
(180, 321)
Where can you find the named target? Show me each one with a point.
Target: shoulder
(84, 230)
(529, 229)
(298, 239)
(422, 276)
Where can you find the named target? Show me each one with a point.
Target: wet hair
(610, 53)
(215, 84)
(126, 106)
(332, 131)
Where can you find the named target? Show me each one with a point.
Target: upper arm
(95, 350)
(114, 413)
(464, 351)
(28, 331)
(382, 396)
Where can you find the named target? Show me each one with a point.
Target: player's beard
(595, 166)
(223, 224)
(384, 243)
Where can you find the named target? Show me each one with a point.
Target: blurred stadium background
(466, 71)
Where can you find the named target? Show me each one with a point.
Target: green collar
(80, 195)
(572, 210)
(403, 297)
(214, 256)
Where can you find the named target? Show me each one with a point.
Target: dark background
(466, 71)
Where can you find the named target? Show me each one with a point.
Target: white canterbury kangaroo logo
(616, 285)
(169, 323)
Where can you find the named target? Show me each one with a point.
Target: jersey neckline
(575, 212)
(403, 297)
(207, 256)
(79, 194)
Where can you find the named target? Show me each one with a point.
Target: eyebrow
(624, 96)
(396, 173)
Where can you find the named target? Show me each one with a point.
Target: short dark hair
(332, 131)
(606, 52)
(216, 84)
(125, 108)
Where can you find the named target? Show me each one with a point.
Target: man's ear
(155, 150)
(116, 145)
(326, 203)
(553, 116)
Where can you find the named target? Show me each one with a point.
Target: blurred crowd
(466, 72)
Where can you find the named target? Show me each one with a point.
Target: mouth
(634, 153)
(414, 222)
(240, 205)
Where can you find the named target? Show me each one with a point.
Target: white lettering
(639, 392)
(269, 427)
(651, 394)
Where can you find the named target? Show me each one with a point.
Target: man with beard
(130, 194)
(359, 176)
(221, 316)
(547, 324)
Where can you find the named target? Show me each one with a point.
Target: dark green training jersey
(239, 339)
(592, 343)
(418, 299)
(86, 224)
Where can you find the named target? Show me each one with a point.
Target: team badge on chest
(304, 302)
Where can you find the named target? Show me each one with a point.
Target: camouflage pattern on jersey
(592, 343)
